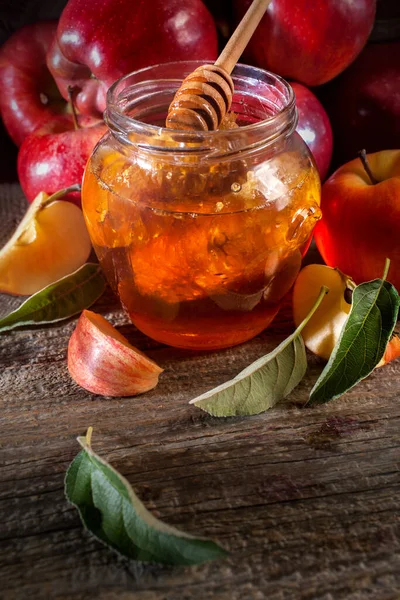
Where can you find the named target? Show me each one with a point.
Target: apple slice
(103, 362)
(50, 242)
(323, 329)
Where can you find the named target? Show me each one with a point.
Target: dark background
(16, 13)
(13, 15)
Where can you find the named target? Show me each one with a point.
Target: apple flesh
(29, 95)
(309, 42)
(323, 330)
(99, 42)
(50, 242)
(55, 155)
(360, 225)
(314, 127)
(102, 361)
(364, 102)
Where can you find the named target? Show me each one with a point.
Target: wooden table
(305, 500)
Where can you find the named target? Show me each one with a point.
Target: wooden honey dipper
(205, 95)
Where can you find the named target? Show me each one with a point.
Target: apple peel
(50, 242)
(392, 351)
(103, 362)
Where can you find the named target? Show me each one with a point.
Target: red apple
(29, 95)
(310, 42)
(99, 41)
(314, 127)
(54, 156)
(360, 225)
(364, 103)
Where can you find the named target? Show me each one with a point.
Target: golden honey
(201, 236)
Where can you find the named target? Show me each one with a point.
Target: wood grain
(305, 500)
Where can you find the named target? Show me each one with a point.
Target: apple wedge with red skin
(314, 127)
(99, 42)
(29, 95)
(101, 360)
(310, 42)
(55, 155)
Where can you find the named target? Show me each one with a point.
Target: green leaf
(110, 510)
(263, 383)
(362, 342)
(60, 300)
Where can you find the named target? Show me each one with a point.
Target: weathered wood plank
(306, 500)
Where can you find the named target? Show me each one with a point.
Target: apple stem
(89, 436)
(61, 193)
(73, 109)
(322, 293)
(386, 269)
(363, 157)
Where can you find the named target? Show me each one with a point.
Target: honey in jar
(201, 234)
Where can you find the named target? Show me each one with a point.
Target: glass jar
(201, 234)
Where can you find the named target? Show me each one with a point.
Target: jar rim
(283, 121)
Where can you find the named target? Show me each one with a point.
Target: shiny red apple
(308, 41)
(29, 95)
(364, 102)
(54, 156)
(99, 41)
(314, 127)
(360, 225)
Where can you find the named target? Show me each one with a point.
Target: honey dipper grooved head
(202, 101)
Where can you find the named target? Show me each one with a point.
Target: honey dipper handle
(241, 36)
